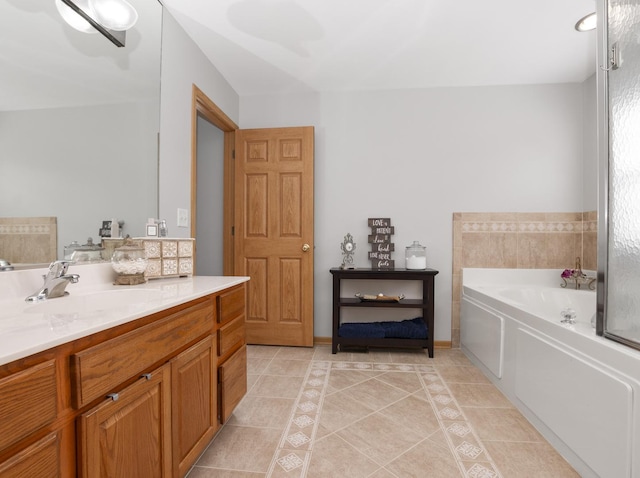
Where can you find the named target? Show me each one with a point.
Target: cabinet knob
(306, 247)
(113, 396)
(146, 375)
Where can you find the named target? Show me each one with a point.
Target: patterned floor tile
(386, 414)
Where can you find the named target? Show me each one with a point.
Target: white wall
(590, 145)
(88, 164)
(183, 64)
(417, 156)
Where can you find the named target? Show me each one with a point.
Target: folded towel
(361, 330)
(405, 329)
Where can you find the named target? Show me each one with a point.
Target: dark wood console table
(427, 277)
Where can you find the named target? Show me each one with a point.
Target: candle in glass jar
(416, 262)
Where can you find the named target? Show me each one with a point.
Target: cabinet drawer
(40, 460)
(230, 335)
(233, 382)
(231, 304)
(27, 402)
(96, 371)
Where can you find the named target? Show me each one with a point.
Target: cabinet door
(129, 435)
(233, 382)
(40, 460)
(194, 403)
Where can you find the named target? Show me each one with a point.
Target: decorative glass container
(130, 262)
(416, 256)
(85, 253)
(70, 249)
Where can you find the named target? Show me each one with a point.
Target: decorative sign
(381, 245)
(379, 238)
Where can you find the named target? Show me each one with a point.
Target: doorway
(267, 219)
(210, 197)
(206, 115)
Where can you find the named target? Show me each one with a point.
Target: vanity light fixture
(587, 23)
(73, 19)
(110, 17)
(118, 15)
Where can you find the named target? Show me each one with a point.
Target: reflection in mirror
(79, 121)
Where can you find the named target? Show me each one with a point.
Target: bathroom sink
(96, 301)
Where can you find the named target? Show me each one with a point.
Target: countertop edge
(192, 288)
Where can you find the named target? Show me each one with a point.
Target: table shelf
(426, 304)
(404, 303)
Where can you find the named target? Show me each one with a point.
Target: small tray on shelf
(379, 297)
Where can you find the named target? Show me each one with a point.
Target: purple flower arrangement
(567, 273)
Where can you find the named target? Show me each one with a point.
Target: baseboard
(442, 344)
(437, 344)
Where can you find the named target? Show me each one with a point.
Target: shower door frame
(604, 157)
(602, 98)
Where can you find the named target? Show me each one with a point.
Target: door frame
(201, 105)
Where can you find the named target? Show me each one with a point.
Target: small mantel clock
(348, 248)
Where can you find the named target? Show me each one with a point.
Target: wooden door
(274, 232)
(129, 435)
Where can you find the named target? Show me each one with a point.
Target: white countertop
(93, 304)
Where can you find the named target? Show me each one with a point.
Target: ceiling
(44, 63)
(276, 46)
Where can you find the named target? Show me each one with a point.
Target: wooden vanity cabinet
(232, 350)
(40, 460)
(143, 399)
(28, 403)
(128, 434)
(232, 376)
(194, 403)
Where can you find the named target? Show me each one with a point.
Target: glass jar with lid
(416, 256)
(130, 262)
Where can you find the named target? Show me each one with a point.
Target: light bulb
(587, 23)
(73, 18)
(118, 15)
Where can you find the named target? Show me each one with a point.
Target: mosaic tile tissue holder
(168, 257)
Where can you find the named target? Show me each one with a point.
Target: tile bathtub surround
(519, 240)
(383, 414)
(29, 240)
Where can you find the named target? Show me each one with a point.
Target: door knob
(305, 247)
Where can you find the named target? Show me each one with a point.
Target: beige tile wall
(519, 240)
(28, 240)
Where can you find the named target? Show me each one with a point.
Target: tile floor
(381, 414)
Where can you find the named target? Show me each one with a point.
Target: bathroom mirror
(79, 121)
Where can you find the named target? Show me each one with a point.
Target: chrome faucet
(55, 282)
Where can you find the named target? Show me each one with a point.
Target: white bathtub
(581, 391)
(546, 302)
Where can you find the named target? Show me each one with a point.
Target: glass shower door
(622, 315)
